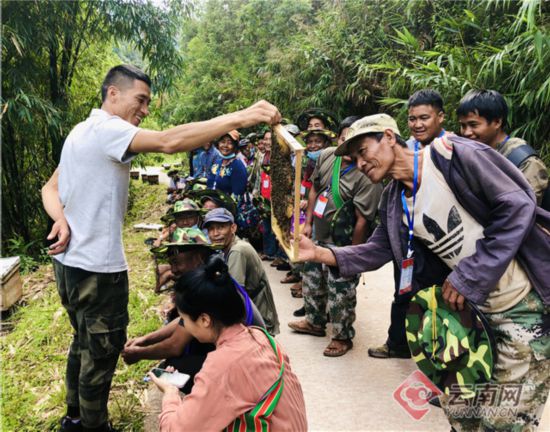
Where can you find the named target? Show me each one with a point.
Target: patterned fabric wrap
(449, 347)
(257, 419)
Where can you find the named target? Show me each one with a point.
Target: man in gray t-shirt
(87, 197)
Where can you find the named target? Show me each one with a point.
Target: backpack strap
(520, 154)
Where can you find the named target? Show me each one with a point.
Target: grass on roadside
(34, 352)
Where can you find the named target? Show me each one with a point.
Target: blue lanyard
(442, 133)
(410, 218)
(342, 174)
(248, 303)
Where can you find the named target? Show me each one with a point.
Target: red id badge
(320, 205)
(405, 282)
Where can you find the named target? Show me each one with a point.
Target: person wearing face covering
(228, 173)
(335, 181)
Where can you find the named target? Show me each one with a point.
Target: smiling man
(244, 263)
(87, 198)
(455, 214)
(426, 117)
(482, 115)
(425, 121)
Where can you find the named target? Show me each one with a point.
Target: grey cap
(218, 215)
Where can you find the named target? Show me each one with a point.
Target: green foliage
(34, 353)
(16, 246)
(54, 57)
(361, 57)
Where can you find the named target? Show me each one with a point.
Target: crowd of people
(462, 216)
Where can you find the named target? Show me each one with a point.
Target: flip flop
(305, 327)
(291, 279)
(337, 348)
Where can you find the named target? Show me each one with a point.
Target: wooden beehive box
(153, 178)
(144, 178)
(134, 174)
(285, 190)
(12, 287)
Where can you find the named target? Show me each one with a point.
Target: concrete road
(355, 392)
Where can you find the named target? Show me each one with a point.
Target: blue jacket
(497, 196)
(230, 179)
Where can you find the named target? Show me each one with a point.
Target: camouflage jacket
(497, 196)
(533, 168)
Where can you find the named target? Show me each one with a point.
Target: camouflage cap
(325, 132)
(185, 238)
(185, 206)
(329, 119)
(449, 347)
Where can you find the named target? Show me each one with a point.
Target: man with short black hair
(426, 116)
(91, 269)
(482, 115)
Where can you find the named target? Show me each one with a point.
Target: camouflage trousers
(514, 399)
(323, 292)
(97, 305)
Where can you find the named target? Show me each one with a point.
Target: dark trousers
(190, 362)
(397, 338)
(97, 305)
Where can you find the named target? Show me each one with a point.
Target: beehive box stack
(12, 287)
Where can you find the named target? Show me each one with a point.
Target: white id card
(302, 190)
(321, 205)
(405, 282)
(266, 183)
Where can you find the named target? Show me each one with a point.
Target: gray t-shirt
(94, 174)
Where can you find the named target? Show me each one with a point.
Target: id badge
(266, 183)
(405, 282)
(302, 190)
(320, 205)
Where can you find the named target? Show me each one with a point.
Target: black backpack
(521, 154)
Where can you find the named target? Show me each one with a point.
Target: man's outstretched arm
(190, 136)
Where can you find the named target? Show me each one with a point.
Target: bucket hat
(185, 238)
(220, 198)
(328, 133)
(185, 206)
(328, 118)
